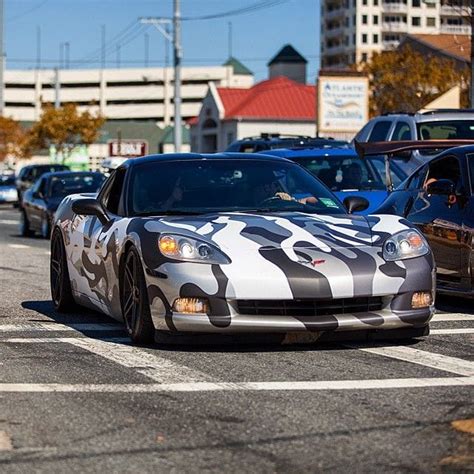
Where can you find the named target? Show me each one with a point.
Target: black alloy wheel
(134, 300)
(61, 293)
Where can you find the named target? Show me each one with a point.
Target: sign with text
(128, 148)
(343, 104)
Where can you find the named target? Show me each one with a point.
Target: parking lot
(74, 392)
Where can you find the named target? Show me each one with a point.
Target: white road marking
(8, 222)
(47, 326)
(452, 331)
(5, 441)
(371, 384)
(148, 364)
(19, 246)
(440, 317)
(428, 359)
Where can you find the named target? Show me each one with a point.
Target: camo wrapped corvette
(284, 272)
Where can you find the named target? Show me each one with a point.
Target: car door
(35, 203)
(440, 218)
(467, 256)
(92, 240)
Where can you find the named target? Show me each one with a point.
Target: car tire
(61, 292)
(45, 227)
(25, 230)
(134, 300)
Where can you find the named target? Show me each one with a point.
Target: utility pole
(57, 99)
(2, 63)
(178, 53)
(147, 49)
(66, 54)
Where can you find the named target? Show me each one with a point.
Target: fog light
(421, 299)
(191, 305)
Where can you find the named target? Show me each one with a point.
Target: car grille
(309, 307)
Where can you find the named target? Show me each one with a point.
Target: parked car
(8, 192)
(439, 199)
(185, 244)
(442, 124)
(29, 174)
(342, 171)
(42, 199)
(271, 141)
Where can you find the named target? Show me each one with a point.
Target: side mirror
(90, 207)
(443, 187)
(355, 203)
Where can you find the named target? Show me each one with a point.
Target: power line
(32, 9)
(237, 11)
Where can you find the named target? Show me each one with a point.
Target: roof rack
(401, 112)
(390, 148)
(448, 111)
(269, 136)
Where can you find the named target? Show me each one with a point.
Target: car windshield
(397, 174)
(342, 172)
(61, 186)
(203, 186)
(7, 181)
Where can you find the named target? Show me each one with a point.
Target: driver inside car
(271, 189)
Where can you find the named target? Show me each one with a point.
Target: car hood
(280, 230)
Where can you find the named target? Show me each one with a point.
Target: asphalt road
(75, 396)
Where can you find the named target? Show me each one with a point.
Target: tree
(65, 128)
(405, 80)
(13, 139)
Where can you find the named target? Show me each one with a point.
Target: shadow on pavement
(204, 342)
(454, 304)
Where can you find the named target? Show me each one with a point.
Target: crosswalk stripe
(427, 359)
(440, 317)
(452, 331)
(371, 384)
(51, 326)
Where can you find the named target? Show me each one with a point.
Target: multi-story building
(352, 30)
(144, 94)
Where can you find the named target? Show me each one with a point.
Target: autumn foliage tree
(13, 139)
(405, 80)
(65, 128)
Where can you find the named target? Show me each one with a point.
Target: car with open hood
(235, 243)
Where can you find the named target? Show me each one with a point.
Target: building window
(354, 39)
(364, 38)
(416, 21)
(230, 138)
(364, 19)
(430, 21)
(354, 20)
(364, 57)
(376, 2)
(376, 19)
(376, 39)
(416, 3)
(364, 2)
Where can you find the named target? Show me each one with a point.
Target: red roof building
(277, 105)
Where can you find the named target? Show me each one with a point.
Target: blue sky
(256, 36)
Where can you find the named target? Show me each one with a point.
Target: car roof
(309, 152)
(200, 156)
(431, 116)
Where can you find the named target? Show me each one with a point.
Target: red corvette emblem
(317, 262)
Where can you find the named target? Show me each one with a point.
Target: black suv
(271, 141)
(29, 174)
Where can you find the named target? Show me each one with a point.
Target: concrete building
(352, 30)
(144, 94)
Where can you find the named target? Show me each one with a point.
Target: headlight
(188, 249)
(405, 244)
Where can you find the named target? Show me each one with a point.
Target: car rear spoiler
(390, 149)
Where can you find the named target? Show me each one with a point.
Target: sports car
(231, 243)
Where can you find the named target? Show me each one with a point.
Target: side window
(417, 180)
(447, 167)
(362, 133)
(113, 192)
(401, 132)
(380, 131)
